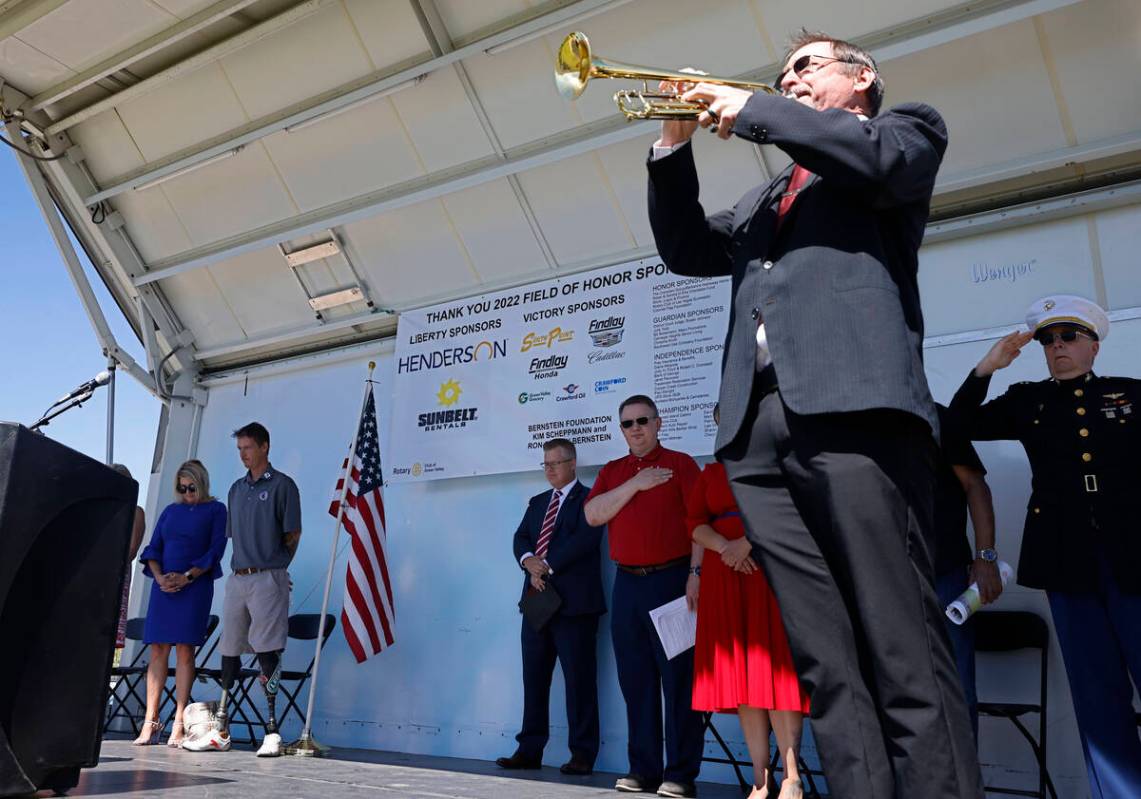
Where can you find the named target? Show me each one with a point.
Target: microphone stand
(45, 420)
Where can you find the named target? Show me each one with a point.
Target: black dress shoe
(577, 767)
(635, 783)
(519, 761)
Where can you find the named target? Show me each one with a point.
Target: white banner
(481, 383)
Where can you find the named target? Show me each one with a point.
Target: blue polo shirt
(261, 512)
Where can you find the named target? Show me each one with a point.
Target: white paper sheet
(676, 625)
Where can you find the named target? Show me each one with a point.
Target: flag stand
(307, 745)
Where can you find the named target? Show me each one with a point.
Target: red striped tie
(548, 526)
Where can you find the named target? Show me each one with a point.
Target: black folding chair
(731, 760)
(806, 773)
(303, 627)
(128, 678)
(1008, 631)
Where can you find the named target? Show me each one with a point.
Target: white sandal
(152, 738)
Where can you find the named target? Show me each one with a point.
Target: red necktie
(796, 182)
(548, 526)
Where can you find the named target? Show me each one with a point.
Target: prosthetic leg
(270, 678)
(207, 729)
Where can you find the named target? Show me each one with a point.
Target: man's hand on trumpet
(677, 131)
(723, 103)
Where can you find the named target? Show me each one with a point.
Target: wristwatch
(188, 575)
(695, 571)
(989, 555)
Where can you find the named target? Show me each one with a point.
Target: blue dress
(185, 536)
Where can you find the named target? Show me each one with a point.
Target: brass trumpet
(574, 66)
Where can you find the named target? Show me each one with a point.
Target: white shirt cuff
(660, 152)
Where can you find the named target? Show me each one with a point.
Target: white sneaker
(271, 746)
(208, 740)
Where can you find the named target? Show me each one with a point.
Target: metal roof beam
(121, 60)
(334, 100)
(15, 15)
(207, 56)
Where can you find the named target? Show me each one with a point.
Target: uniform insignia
(1113, 396)
(1048, 305)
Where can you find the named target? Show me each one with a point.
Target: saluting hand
(1003, 353)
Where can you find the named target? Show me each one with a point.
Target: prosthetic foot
(270, 678)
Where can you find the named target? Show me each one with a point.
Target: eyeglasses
(641, 421)
(1067, 336)
(806, 66)
(554, 464)
(188, 489)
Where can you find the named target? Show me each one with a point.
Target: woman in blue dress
(184, 558)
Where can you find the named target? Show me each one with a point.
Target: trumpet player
(826, 418)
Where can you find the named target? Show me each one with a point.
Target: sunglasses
(806, 66)
(188, 489)
(1067, 336)
(641, 421)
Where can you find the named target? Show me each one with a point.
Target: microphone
(101, 379)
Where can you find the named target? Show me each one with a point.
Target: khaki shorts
(255, 612)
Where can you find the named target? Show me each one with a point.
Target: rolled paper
(969, 601)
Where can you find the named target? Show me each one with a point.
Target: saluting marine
(1082, 538)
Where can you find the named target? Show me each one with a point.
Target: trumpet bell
(572, 65)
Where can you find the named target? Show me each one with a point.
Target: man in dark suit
(826, 417)
(559, 551)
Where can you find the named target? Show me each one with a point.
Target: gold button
(1035, 421)
(1081, 411)
(1083, 432)
(1037, 510)
(1078, 392)
(1087, 457)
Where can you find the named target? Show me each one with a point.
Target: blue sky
(49, 345)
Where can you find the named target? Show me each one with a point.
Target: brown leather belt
(250, 570)
(642, 571)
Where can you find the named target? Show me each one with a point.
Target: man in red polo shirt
(642, 498)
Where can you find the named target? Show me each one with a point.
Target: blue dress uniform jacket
(574, 553)
(1083, 440)
(837, 285)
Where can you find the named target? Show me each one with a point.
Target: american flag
(367, 615)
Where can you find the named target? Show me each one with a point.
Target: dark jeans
(948, 587)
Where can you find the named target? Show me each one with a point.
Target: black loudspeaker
(65, 526)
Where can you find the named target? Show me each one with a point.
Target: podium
(65, 526)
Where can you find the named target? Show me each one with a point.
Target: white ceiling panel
(297, 62)
(263, 295)
(464, 17)
(229, 196)
(1097, 52)
(845, 20)
(82, 34)
(410, 254)
(203, 308)
(179, 114)
(152, 224)
(441, 122)
(361, 150)
(107, 145)
(27, 68)
(974, 83)
(388, 30)
(517, 89)
(182, 8)
(577, 209)
(495, 232)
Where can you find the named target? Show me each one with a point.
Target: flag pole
(307, 745)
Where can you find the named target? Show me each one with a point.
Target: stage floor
(130, 772)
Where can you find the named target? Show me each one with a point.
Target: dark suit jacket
(837, 287)
(574, 553)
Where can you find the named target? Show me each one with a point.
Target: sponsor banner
(481, 383)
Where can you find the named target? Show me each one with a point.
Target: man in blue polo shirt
(264, 523)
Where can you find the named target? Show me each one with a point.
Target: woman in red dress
(742, 662)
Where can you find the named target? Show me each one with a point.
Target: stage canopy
(260, 178)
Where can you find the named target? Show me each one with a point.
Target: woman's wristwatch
(695, 571)
(189, 575)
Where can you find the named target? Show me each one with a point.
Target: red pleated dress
(741, 656)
